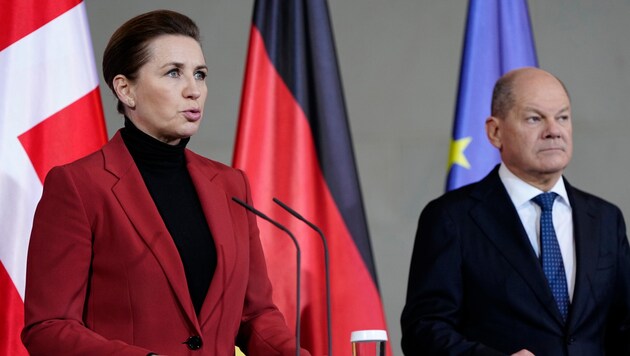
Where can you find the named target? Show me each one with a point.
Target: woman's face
(167, 98)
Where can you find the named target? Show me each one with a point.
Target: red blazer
(104, 276)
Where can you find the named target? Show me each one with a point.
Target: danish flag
(50, 114)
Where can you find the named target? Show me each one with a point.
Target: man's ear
(493, 130)
(124, 90)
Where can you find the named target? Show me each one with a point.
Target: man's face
(535, 136)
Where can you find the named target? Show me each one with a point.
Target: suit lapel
(134, 197)
(215, 203)
(496, 216)
(585, 227)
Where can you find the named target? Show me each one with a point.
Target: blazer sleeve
(263, 329)
(57, 275)
(618, 335)
(434, 300)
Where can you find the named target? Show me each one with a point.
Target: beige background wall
(400, 62)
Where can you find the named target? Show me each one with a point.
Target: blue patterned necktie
(550, 255)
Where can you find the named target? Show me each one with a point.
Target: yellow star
(456, 154)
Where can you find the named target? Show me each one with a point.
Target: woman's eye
(200, 75)
(173, 73)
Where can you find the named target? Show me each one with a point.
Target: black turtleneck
(163, 168)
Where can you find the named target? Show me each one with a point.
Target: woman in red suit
(138, 248)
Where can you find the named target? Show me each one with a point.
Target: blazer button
(194, 342)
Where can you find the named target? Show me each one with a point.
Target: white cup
(368, 342)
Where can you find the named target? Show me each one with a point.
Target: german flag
(293, 140)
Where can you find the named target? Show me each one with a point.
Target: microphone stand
(298, 269)
(326, 266)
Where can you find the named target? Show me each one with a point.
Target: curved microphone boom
(298, 268)
(326, 265)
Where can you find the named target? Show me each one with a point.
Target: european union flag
(498, 39)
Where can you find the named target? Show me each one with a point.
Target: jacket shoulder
(85, 166)
(458, 198)
(583, 200)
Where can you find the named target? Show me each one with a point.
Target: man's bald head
(503, 95)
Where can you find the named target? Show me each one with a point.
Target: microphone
(298, 268)
(326, 266)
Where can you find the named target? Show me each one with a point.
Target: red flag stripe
(275, 147)
(19, 18)
(87, 134)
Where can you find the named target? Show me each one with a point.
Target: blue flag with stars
(498, 39)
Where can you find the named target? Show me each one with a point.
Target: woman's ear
(124, 90)
(493, 130)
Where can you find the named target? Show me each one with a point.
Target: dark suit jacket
(104, 276)
(476, 286)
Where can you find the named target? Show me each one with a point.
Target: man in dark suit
(499, 267)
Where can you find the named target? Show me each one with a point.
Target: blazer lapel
(585, 227)
(215, 203)
(496, 216)
(137, 203)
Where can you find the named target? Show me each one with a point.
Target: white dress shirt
(521, 194)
